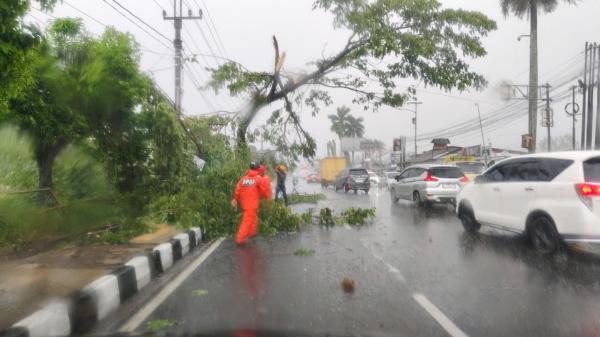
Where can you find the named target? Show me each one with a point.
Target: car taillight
(464, 179)
(428, 177)
(349, 177)
(588, 190)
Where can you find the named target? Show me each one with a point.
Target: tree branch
(321, 69)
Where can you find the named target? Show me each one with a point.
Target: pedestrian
(248, 192)
(266, 182)
(281, 175)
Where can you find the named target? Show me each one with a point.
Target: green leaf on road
(200, 292)
(304, 252)
(160, 324)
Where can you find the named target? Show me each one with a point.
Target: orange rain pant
(247, 226)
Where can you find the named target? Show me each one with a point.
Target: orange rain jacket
(250, 189)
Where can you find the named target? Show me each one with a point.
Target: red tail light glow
(588, 190)
(464, 179)
(428, 177)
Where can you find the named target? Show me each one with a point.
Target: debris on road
(200, 292)
(160, 324)
(348, 284)
(304, 252)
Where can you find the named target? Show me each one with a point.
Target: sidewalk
(27, 283)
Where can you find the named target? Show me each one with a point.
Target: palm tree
(520, 8)
(356, 128)
(339, 121)
(339, 124)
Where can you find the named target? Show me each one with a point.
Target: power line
(137, 25)
(216, 32)
(43, 12)
(158, 4)
(142, 21)
(84, 13)
(198, 87)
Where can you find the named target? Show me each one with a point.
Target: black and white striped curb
(81, 311)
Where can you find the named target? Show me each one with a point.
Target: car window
(446, 172)
(496, 174)
(550, 168)
(359, 172)
(414, 172)
(418, 172)
(406, 173)
(536, 169)
(591, 170)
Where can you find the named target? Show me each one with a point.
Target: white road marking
(396, 272)
(439, 316)
(165, 292)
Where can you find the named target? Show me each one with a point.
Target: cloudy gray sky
(245, 29)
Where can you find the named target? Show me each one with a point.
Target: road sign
(526, 141)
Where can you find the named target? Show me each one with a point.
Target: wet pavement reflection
(490, 284)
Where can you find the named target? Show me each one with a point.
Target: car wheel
(468, 220)
(543, 235)
(417, 200)
(366, 191)
(346, 189)
(355, 191)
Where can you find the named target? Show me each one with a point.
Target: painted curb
(79, 312)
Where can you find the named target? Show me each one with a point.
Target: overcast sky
(245, 29)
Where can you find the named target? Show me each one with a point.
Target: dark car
(353, 179)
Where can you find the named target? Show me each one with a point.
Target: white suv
(551, 197)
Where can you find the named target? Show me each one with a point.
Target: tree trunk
(258, 102)
(533, 74)
(45, 154)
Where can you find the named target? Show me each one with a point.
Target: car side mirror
(397, 178)
(480, 179)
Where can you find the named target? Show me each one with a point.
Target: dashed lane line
(439, 316)
(396, 272)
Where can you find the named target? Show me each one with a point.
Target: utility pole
(177, 19)
(583, 86)
(532, 91)
(549, 118)
(590, 96)
(415, 103)
(574, 110)
(533, 75)
(482, 138)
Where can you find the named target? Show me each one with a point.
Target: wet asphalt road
(416, 273)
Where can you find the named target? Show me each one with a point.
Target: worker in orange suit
(266, 181)
(248, 192)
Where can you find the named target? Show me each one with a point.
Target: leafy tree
(521, 8)
(412, 39)
(48, 107)
(16, 39)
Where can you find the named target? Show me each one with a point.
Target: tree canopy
(419, 40)
(521, 8)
